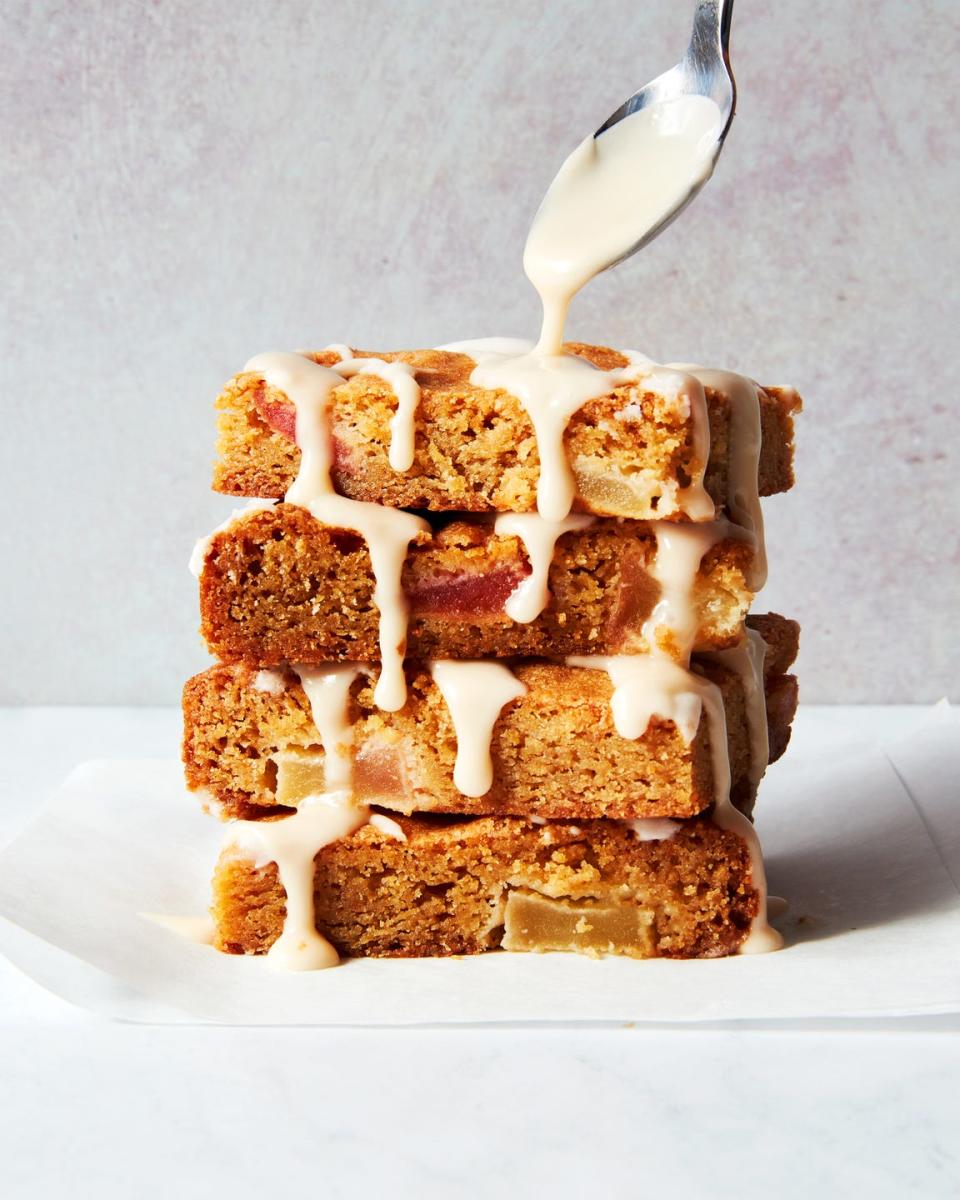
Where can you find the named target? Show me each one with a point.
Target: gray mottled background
(186, 184)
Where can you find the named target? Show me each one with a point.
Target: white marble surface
(187, 184)
(89, 1107)
(115, 1111)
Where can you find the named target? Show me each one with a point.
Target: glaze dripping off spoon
(625, 183)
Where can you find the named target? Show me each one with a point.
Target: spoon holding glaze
(703, 71)
(627, 182)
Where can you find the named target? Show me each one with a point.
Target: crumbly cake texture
(280, 586)
(463, 887)
(555, 751)
(475, 449)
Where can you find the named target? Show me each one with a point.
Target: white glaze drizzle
(539, 537)
(675, 567)
(647, 686)
(743, 459)
(201, 930)
(401, 378)
(652, 685)
(293, 844)
(610, 193)
(551, 388)
(388, 826)
(387, 531)
(652, 829)
(327, 689)
(271, 682)
(762, 937)
(475, 694)
(308, 386)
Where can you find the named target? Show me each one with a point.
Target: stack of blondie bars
(448, 716)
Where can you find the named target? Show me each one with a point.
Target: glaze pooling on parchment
(200, 930)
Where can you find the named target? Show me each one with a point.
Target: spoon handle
(707, 61)
(711, 30)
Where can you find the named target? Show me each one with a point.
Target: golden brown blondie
(279, 586)
(475, 448)
(251, 746)
(437, 887)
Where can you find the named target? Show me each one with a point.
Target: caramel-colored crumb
(451, 886)
(556, 753)
(279, 586)
(475, 449)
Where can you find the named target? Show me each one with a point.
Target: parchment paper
(865, 846)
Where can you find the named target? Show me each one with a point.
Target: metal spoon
(703, 71)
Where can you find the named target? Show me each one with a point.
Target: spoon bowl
(703, 71)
